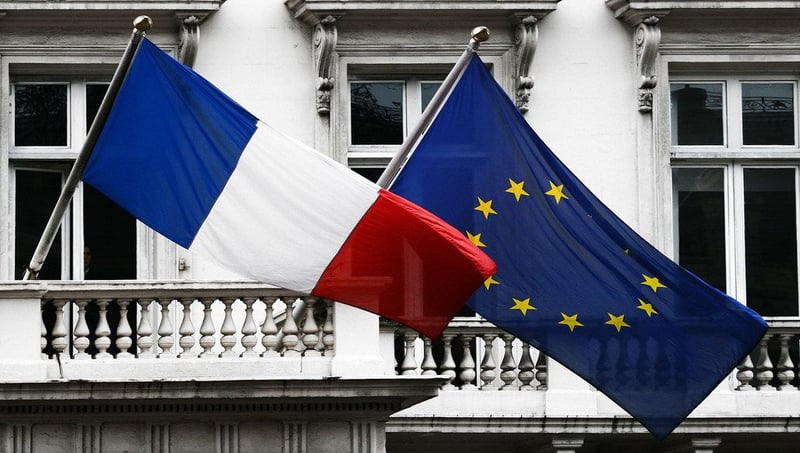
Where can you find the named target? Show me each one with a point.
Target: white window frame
(385, 65)
(733, 157)
(157, 257)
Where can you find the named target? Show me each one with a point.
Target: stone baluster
(165, 330)
(310, 330)
(249, 329)
(81, 331)
(290, 330)
(186, 330)
(409, 365)
(508, 365)
(327, 329)
(207, 331)
(448, 366)
(59, 333)
(526, 367)
(228, 330)
(764, 366)
(145, 330)
(466, 368)
(428, 366)
(103, 331)
(43, 335)
(785, 366)
(269, 331)
(124, 331)
(745, 374)
(488, 364)
(541, 371)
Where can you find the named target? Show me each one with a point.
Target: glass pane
(771, 240)
(697, 114)
(371, 173)
(428, 90)
(768, 113)
(94, 96)
(701, 222)
(40, 115)
(376, 113)
(36, 195)
(109, 237)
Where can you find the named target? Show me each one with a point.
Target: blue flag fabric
(573, 280)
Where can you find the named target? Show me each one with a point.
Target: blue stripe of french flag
(191, 163)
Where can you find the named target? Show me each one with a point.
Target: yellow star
(647, 308)
(475, 239)
(557, 192)
(485, 207)
(516, 189)
(489, 282)
(522, 305)
(570, 321)
(617, 321)
(652, 282)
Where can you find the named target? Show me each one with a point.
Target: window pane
(109, 236)
(701, 222)
(697, 114)
(371, 173)
(771, 240)
(376, 113)
(428, 90)
(36, 195)
(40, 115)
(94, 96)
(768, 113)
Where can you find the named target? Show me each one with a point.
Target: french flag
(192, 164)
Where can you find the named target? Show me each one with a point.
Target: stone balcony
(122, 344)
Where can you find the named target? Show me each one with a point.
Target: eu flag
(573, 280)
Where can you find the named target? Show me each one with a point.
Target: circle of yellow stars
(517, 189)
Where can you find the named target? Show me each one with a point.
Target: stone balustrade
(475, 354)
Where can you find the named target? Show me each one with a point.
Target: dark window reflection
(768, 113)
(40, 115)
(428, 90)
(94, 97)
(376, 113)
(36, 195)
(109, 235)
(771, 240)
(701, 223)
(697, 114)
(371, 173)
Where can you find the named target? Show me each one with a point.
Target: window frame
(734, 157)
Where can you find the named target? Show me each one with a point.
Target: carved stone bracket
(324, 45)
(526, 36)
(647, 37)
(189, 39)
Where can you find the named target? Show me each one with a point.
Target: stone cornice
(634, 11)
(339, 397)
(312, 11)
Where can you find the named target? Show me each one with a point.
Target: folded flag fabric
(573, 280)
(192, 164)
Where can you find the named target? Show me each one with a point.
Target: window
(97, 239)
(381, 112)
(735, 180)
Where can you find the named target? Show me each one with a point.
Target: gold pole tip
(480, 34)
(143, 23)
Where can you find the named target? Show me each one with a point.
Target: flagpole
(479, 35)
(140, 26)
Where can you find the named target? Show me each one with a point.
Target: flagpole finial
(143, 23)
(480, 34)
